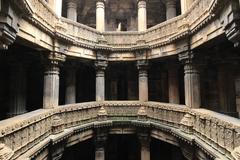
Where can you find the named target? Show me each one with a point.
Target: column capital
(186, 57)
(142, 65)
(101, 62)
(145, 139)
(100, 138)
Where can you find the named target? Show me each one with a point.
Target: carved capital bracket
(53, 61)
(9, 19)
(232, 23)
(144, 138)
(100, 138)
(142, 65)
(186, 57)
(101, 62)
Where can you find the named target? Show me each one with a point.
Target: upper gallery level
(79, 28)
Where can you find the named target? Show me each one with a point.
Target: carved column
(58, 7)
(51, 80)
(100, 15)
(226, 86)
(72, 10)
(70, 94)
(143, 80)
(191, 81)
(100, 65)
(17, 90)
(173, 83)
(171, 10)
(142, 15)
(100, 141)
(144, 139)
(185, 5)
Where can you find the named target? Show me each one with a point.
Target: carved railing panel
(219, 132)
(201, 12)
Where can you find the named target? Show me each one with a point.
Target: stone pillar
(70, 93)
(17, 90)
(171, 10)
(142, 15)
(72, 10)
(144, 139)
(185, 5)
(51, 81)
(100, 65)
(100, 141)
(191, 81)
(226, 86)
(100, 15)
(58, 8)
(142, 80)
(173, 83)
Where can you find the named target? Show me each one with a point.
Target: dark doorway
(122, 147)
(165, 151)
(84, 150)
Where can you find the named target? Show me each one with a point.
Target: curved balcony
(165, 34)
(26, 136)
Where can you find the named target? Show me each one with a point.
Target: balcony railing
(25, 136)
(201, 12)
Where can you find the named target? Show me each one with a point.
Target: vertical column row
(100, 15)
(72, 10)
(171, 10)
(142, 15)
(70, 93)
(17, 90)
(143, 80)
(191, 80)
(100, 65)
(51, 80)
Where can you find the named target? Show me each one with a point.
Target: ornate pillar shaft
(70, 94)
(51, 81)
(142, 15)
(100, 15)
(58, 7)
(192, 86)
(72, 10)
(144, 139)
(143, 80)
(171, 10)
(17, 90)
(173, 90)
(101, 66)
(100, 141)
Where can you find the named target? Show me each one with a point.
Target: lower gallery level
(210, 79)
(205, 78)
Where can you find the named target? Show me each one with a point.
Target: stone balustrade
(25, 136)
(201, 12)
